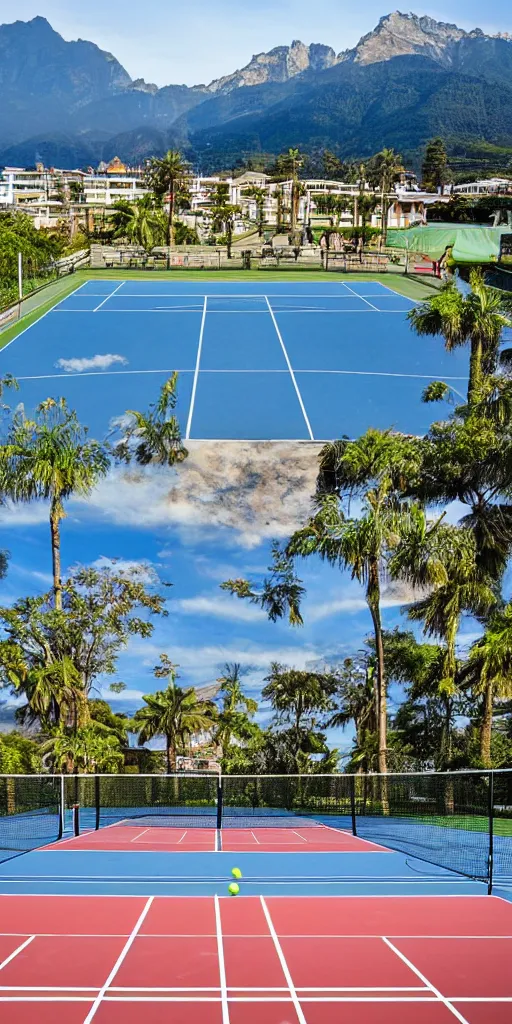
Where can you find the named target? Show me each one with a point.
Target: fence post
(219, 802)
(97, 801)
(62, 815)
(490, 871)
(353, 804)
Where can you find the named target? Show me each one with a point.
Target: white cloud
(205, 662)
(99, 362)
(40, 577)
(126, 695)
(218, 607)
(347, 605)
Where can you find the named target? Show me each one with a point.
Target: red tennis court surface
(317, 839)
(312, 960)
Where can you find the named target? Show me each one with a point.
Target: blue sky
(201, 40)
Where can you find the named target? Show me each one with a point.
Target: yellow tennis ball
(236, 872)
(234, 889)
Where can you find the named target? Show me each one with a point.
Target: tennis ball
(236, 872)
(234, 889)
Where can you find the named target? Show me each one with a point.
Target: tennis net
(30, 813)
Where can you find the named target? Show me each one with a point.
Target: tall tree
(154, 437)
(52, 458)
(236, 711)
(279, 594)
(140, 222)
(259, 195)
(383, 170)
(173, 713)
(489, 669)
(477, 319)
(224, 213)
(373, 469)
(166, 177)
(435, 172)
(297, 698)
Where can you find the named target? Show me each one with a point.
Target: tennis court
(257, 361)
(130, 917)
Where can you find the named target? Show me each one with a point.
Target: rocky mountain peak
(398, 35)
(279, 65)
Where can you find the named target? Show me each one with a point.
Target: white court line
(222, 966)
(256, 840)
(230, 312)
(300, 837)
(189, 369)
(284, 966)
(290, 368)
(196, 372)
(132, 840)
(370, 304)
(129, 942)
(180, 840)
(16, 951)
(425, 981)
(95, 310)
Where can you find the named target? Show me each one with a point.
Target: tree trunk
(170, 221)
(475, 372)
(373, 598)
(229, 237)
(486, 727)
(55, 517)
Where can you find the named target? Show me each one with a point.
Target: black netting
(158, 799)
(280, 800)
(29, 813)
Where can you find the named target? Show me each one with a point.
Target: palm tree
(366, 204)
(224, 215)
(154, 437)
(140, 222)
(237, 709)
(259, 195)
(295, 696)
(443, 559)
(370, 469)
(477, 319)
(54, 692)
(489, 669)
(355, 697)
(383, 170)
(174, 713)
(52, 458)
(166, 177)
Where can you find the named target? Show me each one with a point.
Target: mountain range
(71, 104)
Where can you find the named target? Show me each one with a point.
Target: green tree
(477, 320)
(489, 670)
(259, 195)
(373, 469)
(297, 698)
(166, 177)
(435, 172)
(19, 755)
(356, 702)
(279, 594)
(87, 750)
(224, 213)
(383, 170)
(443, 559)
(101, 610)
(173, 713)
(140, 222)
(154, 437)
(236, 712)
(51, 457)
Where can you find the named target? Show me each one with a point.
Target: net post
(62, 810)
(352, 785)
(97, 802)
(219, 802)
(490, 871)
(76, 819)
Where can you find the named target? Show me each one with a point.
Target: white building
(489, 186)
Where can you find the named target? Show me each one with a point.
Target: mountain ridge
(373, 94)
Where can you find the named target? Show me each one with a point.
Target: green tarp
(469, 244)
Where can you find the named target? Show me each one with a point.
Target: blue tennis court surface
(256, 361)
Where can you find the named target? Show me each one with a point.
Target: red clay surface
(317, 839)
(280, 960)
